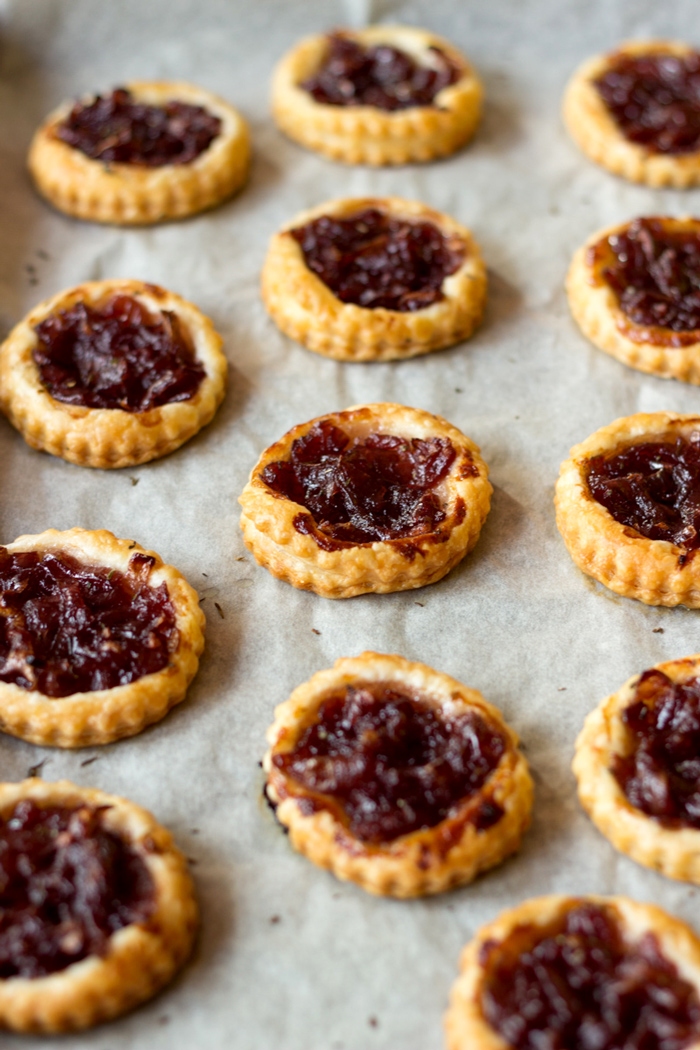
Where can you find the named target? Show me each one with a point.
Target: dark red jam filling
(116, 355)
(391, 763)
(116, 128)
(577, 986)
(661, 774)
(380, 76)
(70, 628)
(362, 490)
(655, 100)
(374, 260)
(653, 487)
(66, 884)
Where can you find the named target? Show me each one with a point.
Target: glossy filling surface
(66, 627)
(660, 774)
(653, 487)
(119, 129)
(380, 76)
(655, 100)
(362, 490)
(391, 763)
(374, 260)
(116, 355)
(66, 884)
(576, 985)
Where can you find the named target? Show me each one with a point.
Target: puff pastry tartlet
(98, 638)
(636, 111)
(561, 971)
(634, 290)
(147, 152)
(374, 279)
(98, 908)
(638, 768)
(396, 777)
(376, 498)
(627, 507)
(111, 373)
(378, 95)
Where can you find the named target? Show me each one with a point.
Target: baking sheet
(289, 957)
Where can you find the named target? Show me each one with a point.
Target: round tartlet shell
(595, 131)
(672, 851)
(614, 554)
(366, 134)
(465, 1025)
(99, 717)
(131, 194)
(267, 519)
(108, 437)
(306, 309)
(416, 864)
(140, 959)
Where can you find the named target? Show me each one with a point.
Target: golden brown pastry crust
(131, 194)
(307, 310)
(465, 1024)
(595, 131)
(653, 571)
(141, 958)
(99, 717)
(597, 311)
(108, 437)
(366, 134)
(673, 851)
(386, 565)
(417, 864)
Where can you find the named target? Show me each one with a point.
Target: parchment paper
(288, 957)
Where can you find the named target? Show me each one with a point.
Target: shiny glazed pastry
(636, 111)
(569, 973)
(376, 498)
(97, 908)
(144, 153)
(628, 507)
(374, 279)
(378, 95)
(634, 290)
(112, 373)
(396, 777)
(98, 638)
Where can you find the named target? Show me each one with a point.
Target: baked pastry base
(267, 519)
(419, 863)
(108, 437)
(597, 311)
(136, 195)
(467, 1028)
(307, 310)
(141, 958)
(652, 571)
(366, 134)
(594, 130)
(99, 717)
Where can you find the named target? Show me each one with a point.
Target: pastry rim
(367, 134)
(108, 437)
(597, 311)
(617, 555)
(411, 865)
(465, 1024)
(379, 567)
(141, 957)
(129, 194)
(306, 309)
(102, 716)
(596, 133)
